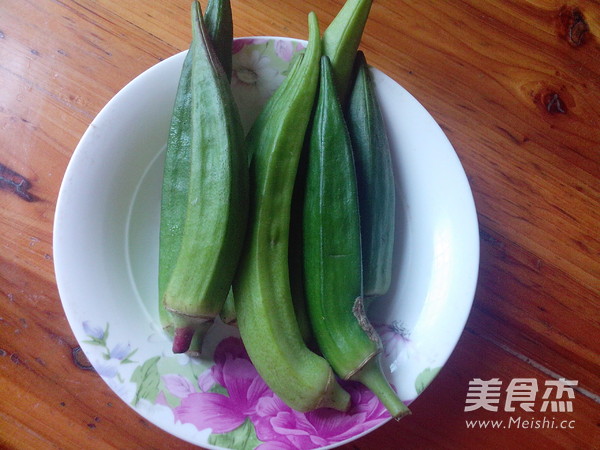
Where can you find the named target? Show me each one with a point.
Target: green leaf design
(147, 379)
(424, 378)
(218, 389)
(242, 437)
(127, 359)
(95, 341)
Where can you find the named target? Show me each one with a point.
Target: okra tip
(313, 22)
(373, 378)
(337, 398)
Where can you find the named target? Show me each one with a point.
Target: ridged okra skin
(216, 198)
(376, 184)
(174, 188)
(331, 225)
(176, 173)
(332, 251)
(340, 42)
(265, 313)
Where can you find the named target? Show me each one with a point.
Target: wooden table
(514, 84)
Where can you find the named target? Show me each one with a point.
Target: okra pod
(176, 172)
(341, 40)
(174, 188)
(216, 198)
(265, 314)
(375, 176)
(219, 24)
(332, 251)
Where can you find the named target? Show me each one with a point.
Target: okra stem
(182, 338)
(371, 376)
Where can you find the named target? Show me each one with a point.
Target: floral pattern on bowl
(259, 66)
(228, 399)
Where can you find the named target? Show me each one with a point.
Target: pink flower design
(248, 397)
(239, 44)
(284, 49)
(179, 386)
(234, 372)
(161, 399)
(394, 337)
(280, 427)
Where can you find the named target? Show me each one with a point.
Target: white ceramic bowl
(106, 252)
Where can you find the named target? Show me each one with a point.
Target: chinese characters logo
(556, 395)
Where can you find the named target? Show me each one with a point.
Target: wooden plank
(537, 310)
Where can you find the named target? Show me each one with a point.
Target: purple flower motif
(235, 373)
(248, 397)
(239, 44)
(120, 351)
(107, 368)
(206, 381)
(284, 49)
(92, 331)
(394, 337)
(161, 399)
(179, 386)
(230, 348)
(279, 426)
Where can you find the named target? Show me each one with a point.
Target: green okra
(265, 119)
(174, 188)
(341, 40)
(295, 259)
(215, 201)
(218, 20)
(340, 43)
(227, 314)
(332, 251)
(219, 23)
(295, 241)
(263, 304)
(375, 176)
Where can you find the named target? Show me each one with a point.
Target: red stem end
(182, 339)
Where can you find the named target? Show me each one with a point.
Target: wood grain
(515, 86)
